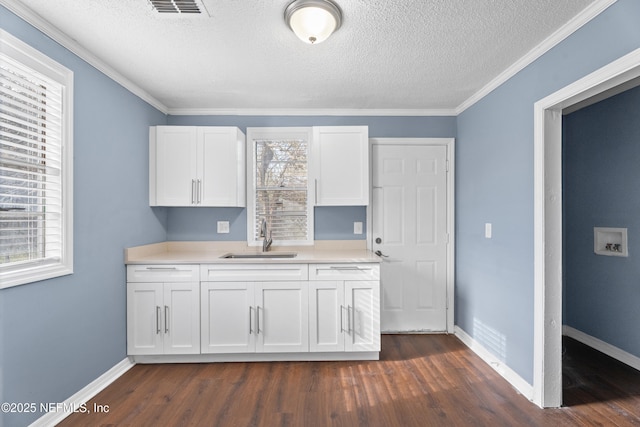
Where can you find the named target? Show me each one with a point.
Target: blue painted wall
(601, 146)
(330, 223)
(59, 335)
(494, 183)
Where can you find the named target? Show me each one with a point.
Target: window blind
(281, 188)
(30, 166)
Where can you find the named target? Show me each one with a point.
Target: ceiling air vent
(178, 6)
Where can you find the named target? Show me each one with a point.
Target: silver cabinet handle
(166, 319)
(161, 268)
(250, 327)
(193, 191)
(157, 319)
(348, 268)
(258, 320)
(199, 191)
(315, 181)
(341, 318)
(349, 319)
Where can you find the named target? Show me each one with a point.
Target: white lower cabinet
(282, 317)
(344, 307)
(251, 312)
(228, 313)
(254, 308)
(163, 311)
(247, 317)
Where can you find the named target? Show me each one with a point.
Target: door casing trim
(548, 244)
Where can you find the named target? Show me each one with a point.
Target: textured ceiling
(402, 54)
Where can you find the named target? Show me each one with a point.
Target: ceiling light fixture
(313, 21)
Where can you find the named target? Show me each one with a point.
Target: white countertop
(323, 251)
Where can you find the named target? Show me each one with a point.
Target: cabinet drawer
(163, 273)
(344, 272)
(253, 272)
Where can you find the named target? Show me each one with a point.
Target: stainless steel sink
(265, 255)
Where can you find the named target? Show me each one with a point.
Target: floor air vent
(178, 6)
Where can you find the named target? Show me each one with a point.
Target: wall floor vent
(178, 6)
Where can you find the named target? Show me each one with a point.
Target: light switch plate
(357, 227)
(223, 227)
(488, 230)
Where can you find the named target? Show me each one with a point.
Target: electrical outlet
(223, 227)
(357, 227)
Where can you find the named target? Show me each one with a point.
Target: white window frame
(259, 133)
(37, 61)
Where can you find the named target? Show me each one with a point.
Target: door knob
(379, 253)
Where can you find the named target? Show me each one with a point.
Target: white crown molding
(47, 28)
(565, 31)
(554, 39)
(307, 112)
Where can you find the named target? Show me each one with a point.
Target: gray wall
(494, 183)
(601, 146)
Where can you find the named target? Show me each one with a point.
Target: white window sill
(33, 274)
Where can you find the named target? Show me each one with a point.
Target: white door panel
(282, 317)
(410, 219)
(181, 318)
(228, 317)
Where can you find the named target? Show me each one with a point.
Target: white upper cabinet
(340, 165)
(172, 165)
(196, 166)
(222, 150)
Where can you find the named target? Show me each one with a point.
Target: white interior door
(409, 227)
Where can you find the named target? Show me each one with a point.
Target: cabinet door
(363, 305)
(340, 158)
(175, 166)
(181, 313)
(144, 318)
(221, 169)
(228, 317)
(282, 324)
(327, 316)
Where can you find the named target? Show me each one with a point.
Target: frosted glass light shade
(313, 21)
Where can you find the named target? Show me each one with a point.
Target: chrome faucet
(266, 242)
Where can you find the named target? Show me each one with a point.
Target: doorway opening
(547, 383)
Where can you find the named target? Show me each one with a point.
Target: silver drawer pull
(349, 268)
(258, 320)
(166, 319)
(162, 268)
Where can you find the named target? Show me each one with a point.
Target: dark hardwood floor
(421, 380)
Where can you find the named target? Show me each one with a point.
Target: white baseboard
(522, 386)
(84, 395)
(608, 349)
